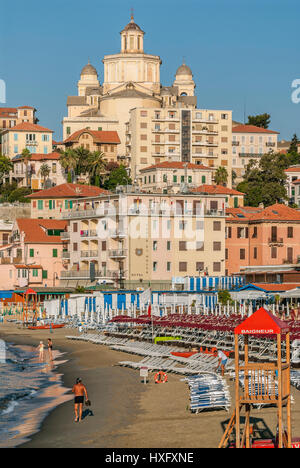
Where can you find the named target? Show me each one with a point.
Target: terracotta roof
(26, 107)
(30, 267)
(39, 157)
(216, 189)
(69, 191)
(36, 230)
(243, 212)
(251, 129)
(100, 136)
(28, 127)
(5, 111)
(293, 169)
(297, 181)
(277, 212)
(175, 165)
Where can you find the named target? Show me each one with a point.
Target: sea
(29, 390)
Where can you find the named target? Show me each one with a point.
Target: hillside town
(150, 226)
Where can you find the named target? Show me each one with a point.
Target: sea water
(29, 390)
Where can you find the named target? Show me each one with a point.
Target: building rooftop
(39, 157)
(100, 136)
(276, 212)
(36, 230)
(175, 165)
(217, 189)
(251, 129)
(68, 190)
(28, 127)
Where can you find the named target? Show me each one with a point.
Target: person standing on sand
(79, 390)
(222, 361)
(41, 351)
(50, 348)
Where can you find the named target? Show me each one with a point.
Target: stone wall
(9, 212)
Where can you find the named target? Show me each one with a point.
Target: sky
(244, 54)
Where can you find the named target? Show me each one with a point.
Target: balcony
(271, 144)
(276, 241)
(64, 235)
(65, 254)
(89, 254)
(214, 213)
(118, 235)
(89, 233)
(250, 155)
(85, 274)
(235, 143)
(119, 253)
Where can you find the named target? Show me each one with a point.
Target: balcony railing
(276, 241)
(269, 143)
(65, 235)
(89, 233)
(65, 254)
(89, 253)
(119, 253)
(85, 274)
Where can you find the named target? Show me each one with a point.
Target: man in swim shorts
(80, 391)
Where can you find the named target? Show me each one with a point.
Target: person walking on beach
(41, 351)
(50, 348)
(80, 391)
(222, 361)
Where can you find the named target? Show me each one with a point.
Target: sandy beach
(125, 412)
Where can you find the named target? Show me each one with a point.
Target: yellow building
(35, 138)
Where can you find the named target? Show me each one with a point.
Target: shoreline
(127, 413)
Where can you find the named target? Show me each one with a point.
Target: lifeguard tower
(264, 383)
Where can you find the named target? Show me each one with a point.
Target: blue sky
(244, 54)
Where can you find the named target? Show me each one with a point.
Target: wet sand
(125, 412)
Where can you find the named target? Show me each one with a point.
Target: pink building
(258, 236)
(33, 257)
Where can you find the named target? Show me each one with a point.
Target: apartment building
(250, 142)
(106, 142)
(233, 198)
(29, 174)
(184, 134)
(51, 203)
(261, 236)
(33, 256)
(293, 184)
(139, 239)
(35, 138)
(172, 176)
(12, 116)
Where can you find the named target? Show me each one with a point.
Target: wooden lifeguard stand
(260, 380)
(30, 305)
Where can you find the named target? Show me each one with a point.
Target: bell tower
(132, 38)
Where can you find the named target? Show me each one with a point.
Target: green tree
(69, 161)
(5, 166)
(294, 144)
(260, 120)
(96, 167)
(19, 195)
(45, 171)
(116, 177)
(221, 176)
(264, 182)
(224, 297)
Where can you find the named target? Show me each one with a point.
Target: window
(154, 266)
(168, 245)
(217, 226)
(68, 130)
(168, 266)
(103, 246)
(217, 246)
(203, 179)
(290, 254)
(229, 232)
(75, 247)
(273, 252)
(45, 150)
(35, 272)
(290, 232)
(45, 137)
(154, 245)
(216, 267)
(183, 266)
(175, 179)
(31, 253)
(54, 252)
(44, 274)
(182, 245)
(199, 266)
(224, 116)
(254, 235)
(242, 254)
(75, 227)
(15, 137)
(199, 246)
(255, 252)
(15, 148)
(226, 254)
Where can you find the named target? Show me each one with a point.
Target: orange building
(261, 236)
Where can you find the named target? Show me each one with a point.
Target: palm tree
(95, 166)
(26, 156)
(82, 155)
(45, 171)
(69, 161)
(5, 166)
(221, 176)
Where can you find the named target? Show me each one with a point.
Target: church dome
(132, 26)
(89, 70)
(184, 70)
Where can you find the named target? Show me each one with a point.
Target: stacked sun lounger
(295, 378)
(208, 392)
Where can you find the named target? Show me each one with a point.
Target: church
(131, 79)
(132, 101)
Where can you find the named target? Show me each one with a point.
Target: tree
(5, 166)
(224, 297)
(221, 176)
(96, 167)
(233, 177)
(264, 182)
(294, 144)
(260, 120)
(19, 194)
(69, 161)
(117, 176)
(45, 171)
(26, 156)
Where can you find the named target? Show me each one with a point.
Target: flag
(149, 310)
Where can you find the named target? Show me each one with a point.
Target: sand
(126, 413)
